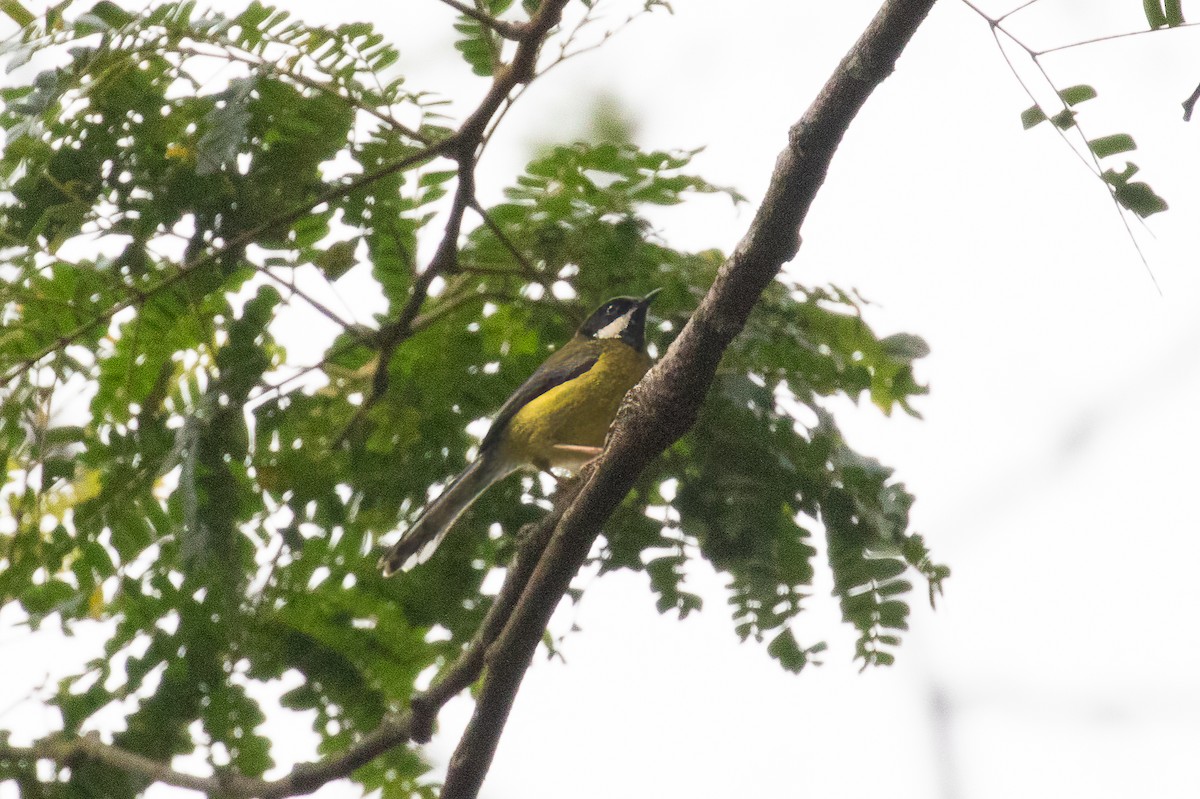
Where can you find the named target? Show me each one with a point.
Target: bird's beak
(649, 298)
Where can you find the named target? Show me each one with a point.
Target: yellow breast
(578, 412)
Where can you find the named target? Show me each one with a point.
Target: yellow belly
(578, 412)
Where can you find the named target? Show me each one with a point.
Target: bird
(558, 418)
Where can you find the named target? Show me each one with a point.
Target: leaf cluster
(1135, 196)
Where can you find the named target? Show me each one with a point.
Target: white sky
(1055, 468)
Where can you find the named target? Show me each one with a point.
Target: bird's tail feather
(419, 541)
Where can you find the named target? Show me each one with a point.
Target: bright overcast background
(1055, 469)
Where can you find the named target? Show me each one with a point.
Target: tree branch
(464, 148)
(508, 30)
(92, 748)
(313, 302)
(666, 403)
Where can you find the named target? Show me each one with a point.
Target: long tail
(420, 540)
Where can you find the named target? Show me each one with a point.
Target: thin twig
(350, 327)
(1090, 161)
(467, 141)
(1010, 12)
(526, 265)
(509, 102)
(465, 151)
(90, 747)
(1111, 38)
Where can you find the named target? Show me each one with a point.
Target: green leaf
(1064, 120)
(437, 178)
(1032, 116)
(16, 12)
(1137, 196)
(1111, 145)
(479, 45)
(1173, 12)
(226, 128)
(905, 346)
(788, 652)
(1074, 95)
(337, 259)
(1140, 198)
(111, 14)
(1155, 15)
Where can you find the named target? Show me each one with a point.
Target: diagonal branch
(90, 747)
(667, 401)
(312, 301)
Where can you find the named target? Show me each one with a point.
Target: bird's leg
(569, 456)
(579, 449)
(590, 453)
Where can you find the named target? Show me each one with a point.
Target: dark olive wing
(566, 364)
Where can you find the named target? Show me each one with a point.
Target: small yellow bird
(559, 417)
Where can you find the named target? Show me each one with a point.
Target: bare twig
(526, 265)
(1012, 11)
(1112, 38)
(1189, 105)
(312, 301)
(667, 401)
(462, 145)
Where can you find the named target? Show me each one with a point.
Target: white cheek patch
(616, 327)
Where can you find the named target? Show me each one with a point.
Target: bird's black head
(620, 317)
